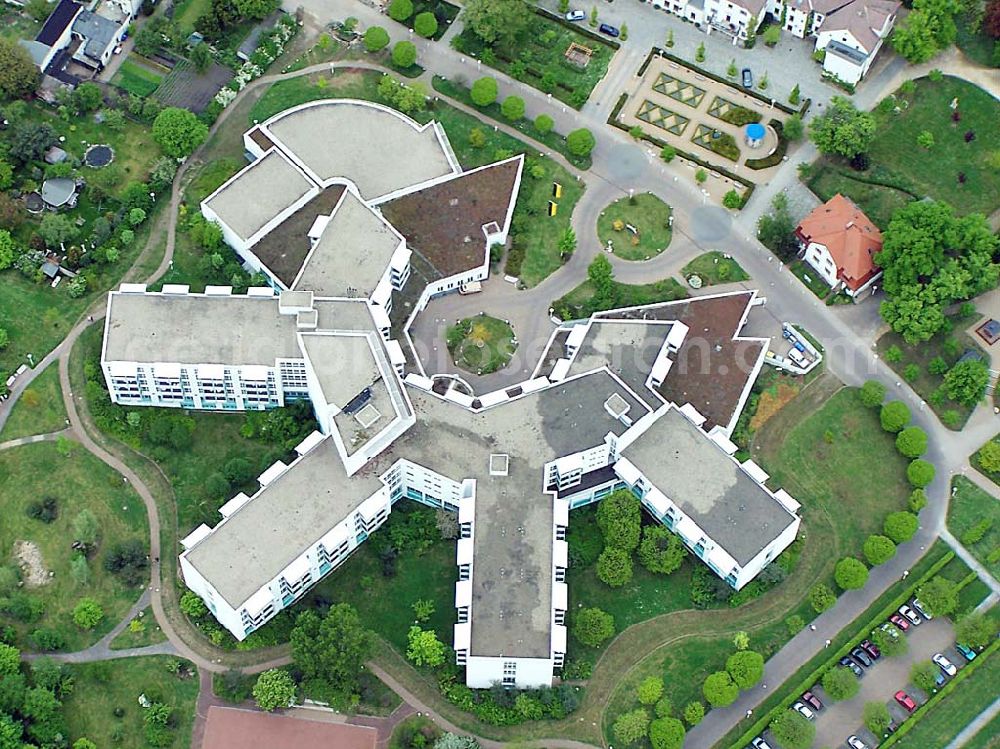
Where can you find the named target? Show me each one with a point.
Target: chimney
(849, 225)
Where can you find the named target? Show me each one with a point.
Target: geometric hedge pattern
(682, 91)
(720, 107)
(656, 115)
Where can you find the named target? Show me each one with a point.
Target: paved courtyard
(686, 109)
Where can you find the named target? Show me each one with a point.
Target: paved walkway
(977, 724)
(50, 437)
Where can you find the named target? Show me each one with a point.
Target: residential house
(72, 33)
(852, 35)
(840, 242)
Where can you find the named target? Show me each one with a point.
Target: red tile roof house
(230, 728)
(840, 242)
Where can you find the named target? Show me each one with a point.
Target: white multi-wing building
(635, 399)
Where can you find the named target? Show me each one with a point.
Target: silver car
(944, 664)
(855, 743)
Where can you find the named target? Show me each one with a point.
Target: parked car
(901, 622)
(910, 614)
(890, 630)
(862, 657)
(759, 743)
(944, 664)
(576, 15)
(968, 653)
(939, 679)
(812, 700)
(919, 606)
(905, 700)
(804, 711)
(848, 663)
(607, 28)
(747, 78)
(855, 743)
(872, 649)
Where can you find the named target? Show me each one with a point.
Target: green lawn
(878, 202)
(136, 78)
(968, 506)
(978, 47)
(647, 214)
(481, 344)
(988, 736)
(144, 632)
(186, 12)
(40, 408)
(33, 472)
(537, 57)
(579, 303)
(715, 267)
(945, 720)
(949, 346)
(818, 461)
(15, 24)
(809, 278)
(935, 172)
(102, 688)
(534, 235)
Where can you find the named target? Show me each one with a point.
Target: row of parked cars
(605, 28)
(865, 655)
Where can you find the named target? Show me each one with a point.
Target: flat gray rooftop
(352, 254)
(629, 349)
(698, 476)
(512, 556)
(284, 519)
(195, 329)
(378, 150)
(344, 365)
(270, 185)
(342, 314)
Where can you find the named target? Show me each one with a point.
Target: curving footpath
(697, 228)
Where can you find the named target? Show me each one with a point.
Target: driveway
(880, 682)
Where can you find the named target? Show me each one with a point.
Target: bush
(693, 713)
(484, 92)
(840, 684)
(425, 24)
(666, 733)
(512, 108)
(661, 551)
(592, 626)
(732, 200)
(663, 708)
(720, 690)
(46, 510)
(920, 473)
(894, 416)
(580, 142)
(544, 123)
(746, 668)
(614, 567)
(376, 38)
(977, 532)
(901, 526)
(87, 613)
(879, 550)
(631, 726)
(128, 560)
(620, 519)
(821, 597)
(989, 457)
(404, 54)
(850, 574)
(650, 690)
(872, 393)
(912, 442)
(876, 717)
(400, 10)
(917, 500)
(668, 153)
(790, 729)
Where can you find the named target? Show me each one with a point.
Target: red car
(871, 649)
(906, 701)
(900, 622)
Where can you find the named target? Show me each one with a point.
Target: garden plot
(186, 88)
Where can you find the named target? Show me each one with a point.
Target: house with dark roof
(853, 34)
(840, 242)
(55, 35)
(98, 37)
(71, 32)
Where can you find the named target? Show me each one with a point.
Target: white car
(910, 614)
(576, 15)
(855, 743)
(944, 664)
(804, 711)
(919, 606)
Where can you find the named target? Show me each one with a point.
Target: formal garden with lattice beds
(662, 118)
(682, 91)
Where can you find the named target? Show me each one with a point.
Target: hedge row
(779, 153)
(945, 690)
(813, 677)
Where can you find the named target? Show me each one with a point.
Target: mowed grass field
(648, 215)
(935, 171)
(33, 472)
(136, 78)
(40, 408)
(970, 505)
(100, 688)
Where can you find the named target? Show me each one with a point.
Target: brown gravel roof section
(711, 369)
(444, 222)
(257, 136)
(284, 249)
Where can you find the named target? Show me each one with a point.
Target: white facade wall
(481, 672)
(730, 18)
(821, 261)
(844, 69)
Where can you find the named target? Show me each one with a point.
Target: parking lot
(879, 683)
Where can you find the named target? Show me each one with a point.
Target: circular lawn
(481, 344)
(636, 228)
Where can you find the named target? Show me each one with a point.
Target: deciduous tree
(872, 393)
(87, 613)
(178, 131)
(404, 54)
(966, 382)
(661, 551)
(901, 526)
(876, 717)
(274, 688)
(912, 442)
(842, 130)
(894, 416)
(746, 667)
(976, 630)
(484, 91)
(619, 517)
(376, 38)
(666, 733)
(425, 24)
(879, 549)
(512, 108)
(792, 730)
(18, 74)
(614, 567)
(923, 673)
(424, 648)
(580, 142)
(331, 649)
(631, 726)
(720, 690)
(840, 683)
(497, 20)
(850, 573)
(650, 690)
(592, 626)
